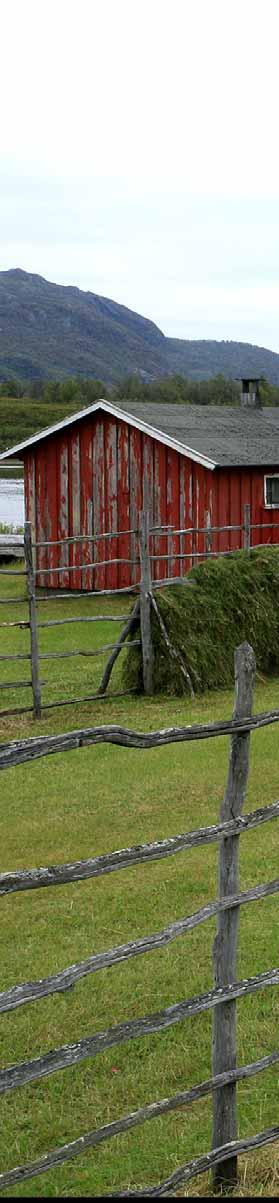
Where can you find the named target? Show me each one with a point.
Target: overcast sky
(140, 156)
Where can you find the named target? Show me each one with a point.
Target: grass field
(21, 417)
(83, 803)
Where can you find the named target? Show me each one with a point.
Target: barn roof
(213, 435)
(227, 436)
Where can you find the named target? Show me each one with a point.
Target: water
(12, 502)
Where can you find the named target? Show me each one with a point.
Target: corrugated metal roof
(213, 435)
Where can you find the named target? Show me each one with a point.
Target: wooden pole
(127, 630)
(224, 1048)
(172, 650)
(246, 527)
(33, 620)
(170, 562)
(208, 537)
(145, 605)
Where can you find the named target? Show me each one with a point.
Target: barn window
(271, 491)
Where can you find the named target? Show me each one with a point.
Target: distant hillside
(48, 331)
(201, 359)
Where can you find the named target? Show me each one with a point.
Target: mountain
(52, 331)
(200, 359)
(48, 330)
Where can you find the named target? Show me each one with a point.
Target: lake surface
(12, 502)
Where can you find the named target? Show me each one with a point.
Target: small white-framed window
(271, 491)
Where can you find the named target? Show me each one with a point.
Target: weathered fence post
(33, 620)
(145, 604)
(225, 944)
(247, 527)
(208, 537)
(170, 560)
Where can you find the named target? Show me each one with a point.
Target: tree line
(82, 391)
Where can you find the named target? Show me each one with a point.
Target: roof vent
(250, 393)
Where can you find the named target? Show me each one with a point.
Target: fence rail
(18, 751)
(185, 1098)
(221, 999)
(199, 1165)
(125, 858)
(90, 1046)
(28, 992)
(118, 534)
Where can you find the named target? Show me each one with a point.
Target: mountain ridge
(51, 331)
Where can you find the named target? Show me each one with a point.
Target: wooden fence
(34, 624)
(139, 617)
(147, 558)
(221, 999)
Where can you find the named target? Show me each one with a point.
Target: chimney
(250, 393)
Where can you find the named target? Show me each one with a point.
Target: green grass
(9, 473)
(9, 528)
(70, 677)
(20, 418)
(83, 803)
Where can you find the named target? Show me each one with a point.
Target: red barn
(188, 465)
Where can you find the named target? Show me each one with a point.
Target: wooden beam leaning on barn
(172, 650)
(127, 630)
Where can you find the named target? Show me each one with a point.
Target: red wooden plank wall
(135, 453)
(160, 544)
(97, 476)
(63, 508)
(124, 546)
(86, 502)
